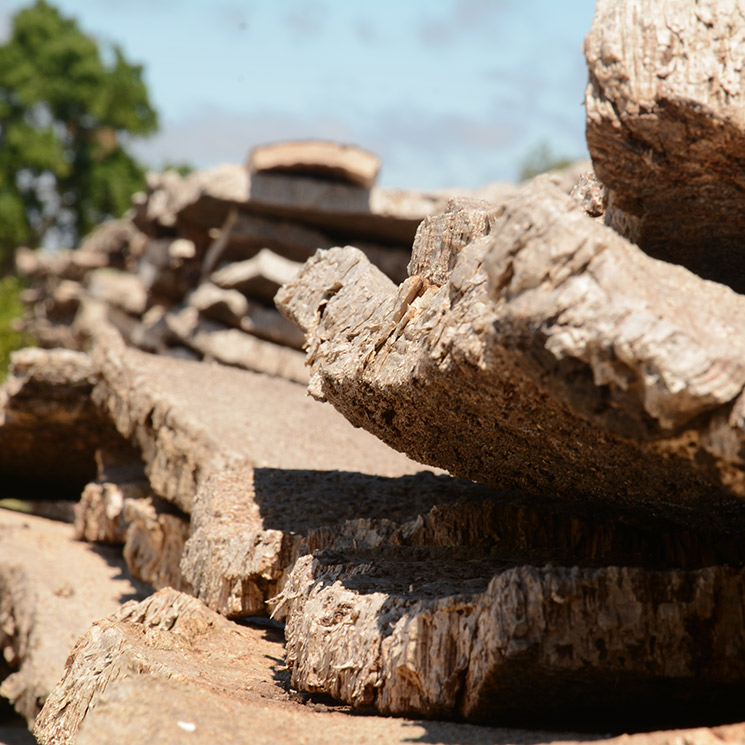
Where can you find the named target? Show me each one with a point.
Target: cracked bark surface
(46, 574)
(246, 473)
(666, 127)
(483, 639)
(557, 359)
(168, 670)
(481, 607)
(250, 525)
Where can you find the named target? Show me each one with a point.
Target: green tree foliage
(540, 160)
(67, 111)
(11, 309)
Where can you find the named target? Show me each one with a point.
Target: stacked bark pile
(582, 567)
(534, 347)
(194, 267)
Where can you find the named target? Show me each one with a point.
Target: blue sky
(446, 92)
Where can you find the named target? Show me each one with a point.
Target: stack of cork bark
(192, 270)
(515, 496)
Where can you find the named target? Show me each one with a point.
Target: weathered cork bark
(666, 127)
(154, 542)
(204, 199)
(609, 646)
(168, 636)
(250, 525)
(190, 420)
(49, 427)
(482, 607)
(168, 670)
(325, 160)
(52, 587)
(557, 358)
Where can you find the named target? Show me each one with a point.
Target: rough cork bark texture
(248, 457)
(52, 588)
(666, 127)
(249, 526)
(154, 542)
(610, 646)
(190, 420)
(169, 636)
(481, 607)
(49, 427)
(168, 670)
(557, 358)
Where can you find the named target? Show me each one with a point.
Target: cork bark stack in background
(558, 542)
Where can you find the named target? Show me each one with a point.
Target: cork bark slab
(611, 646)
(329, 160)
(249, 526)
(52, 587)
(204, 199)
(556, 358)
(168, 670)
(191, 419)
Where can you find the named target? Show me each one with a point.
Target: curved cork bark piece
(326, 160)
(556, 358)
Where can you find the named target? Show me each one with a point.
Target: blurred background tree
(67, 112)
(542, 159)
